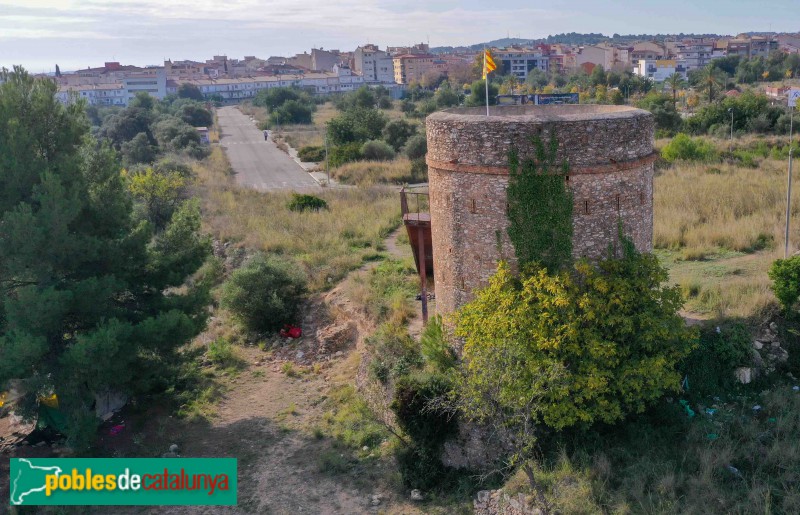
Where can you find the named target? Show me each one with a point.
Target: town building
(236, 89)
(520, 62)
(373, 64)
(152, 81)
(409, 68)
(647, 50)
(660, 69)
(605, 55)
(750, 47)
(696, 53)
(94, 94)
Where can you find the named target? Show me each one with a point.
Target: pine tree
(83, 308)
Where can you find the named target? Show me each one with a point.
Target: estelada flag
(488, 63)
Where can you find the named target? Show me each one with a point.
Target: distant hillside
(572, 38)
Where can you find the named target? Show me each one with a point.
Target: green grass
(386, 292)
(349, 420)
(735, 461)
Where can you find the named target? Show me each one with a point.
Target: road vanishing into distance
(259, 164)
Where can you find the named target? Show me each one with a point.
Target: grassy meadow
(719, 226)
(328, 243)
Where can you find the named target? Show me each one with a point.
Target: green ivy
(540, 207)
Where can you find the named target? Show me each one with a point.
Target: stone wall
(610, 153)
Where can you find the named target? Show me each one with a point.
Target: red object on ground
(291, 331)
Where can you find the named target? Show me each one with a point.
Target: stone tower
(610, 153)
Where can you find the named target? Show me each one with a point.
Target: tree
(159, 193)
(416, 147)
(397, 132)
(663, 108)
(126, 125)
(356, 125)
(510, 84)
(292, 111)
(543, 352)
(477, 96)
(537, 78)
(274, 98)
(446, 97)
(196, 115)
(188, 90)
(174, 135)
(143, 100)
(84, 308)
(598, 76)
(712, 80)
(675, 82)
(138, 150)
(643, 84)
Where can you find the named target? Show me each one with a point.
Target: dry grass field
(718, 228)
(329, 243)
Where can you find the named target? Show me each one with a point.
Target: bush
(393, 353)
(302, 202)
(377, 150)
(358, 124)
(311, 154)
(428, 427)
(591, 344)
(435, 348)
(416, 147)
(345, 153)
(220, 352)
(264, 294)
(292, 111)
(785, 276)
(709, 368)
(397, 132)
(686, 148)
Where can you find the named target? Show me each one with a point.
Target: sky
(39, 34)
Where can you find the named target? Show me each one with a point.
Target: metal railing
(414, 203)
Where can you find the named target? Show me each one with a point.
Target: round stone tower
(610, 154)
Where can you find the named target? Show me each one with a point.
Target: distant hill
(572, 38)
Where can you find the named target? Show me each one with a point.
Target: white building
(242, 88)
(94, 94)
(519, 62)
(659, 69)
(152, 81)
(374, 65)
(696, 54)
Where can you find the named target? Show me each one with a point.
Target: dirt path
(266, 419)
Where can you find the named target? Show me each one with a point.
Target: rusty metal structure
(417, 220)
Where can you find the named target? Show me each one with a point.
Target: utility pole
(730, 145)
(794, 94)
(327, 166)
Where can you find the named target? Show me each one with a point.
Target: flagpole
(486, 80)
(789, 185)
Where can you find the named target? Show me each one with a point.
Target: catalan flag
(488, 64)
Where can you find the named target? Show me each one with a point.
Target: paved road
(257, 163)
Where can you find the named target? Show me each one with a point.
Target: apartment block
(373, 64)
(520, 62)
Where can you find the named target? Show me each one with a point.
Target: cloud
(12, 33)
(445, 20)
